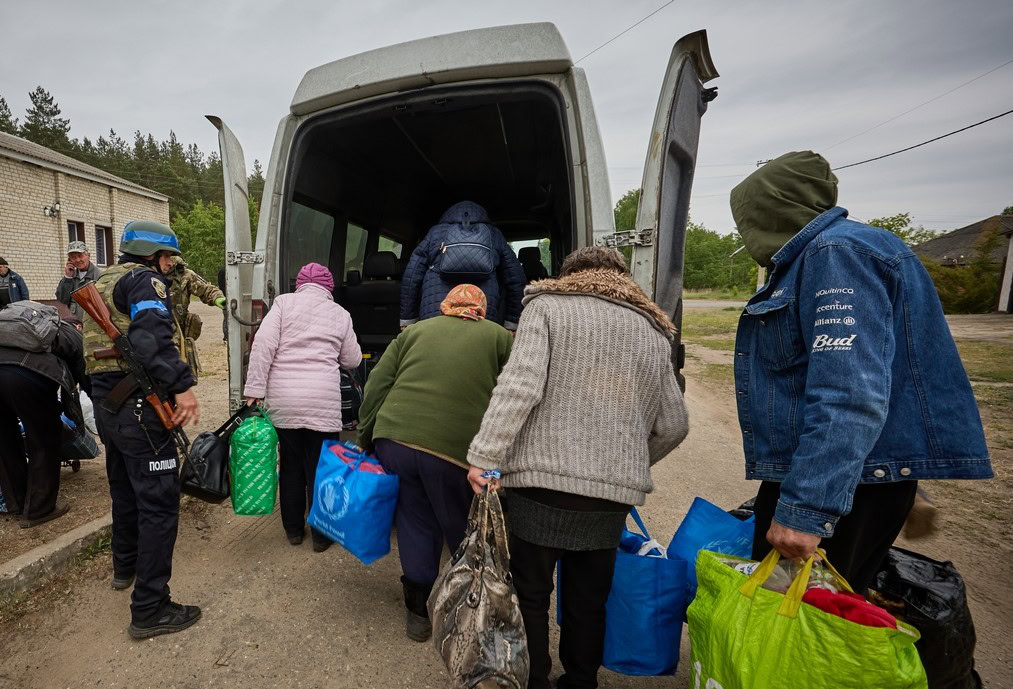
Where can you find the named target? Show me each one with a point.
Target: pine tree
(43, 123)
(255, 182)
(8, 123)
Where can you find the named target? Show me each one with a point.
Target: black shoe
(295, 538)
(173, 617)
(417, 627)
(122, 581)
(321, 546)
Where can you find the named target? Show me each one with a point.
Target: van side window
(355, 248)
(309, 238)
(388, 244)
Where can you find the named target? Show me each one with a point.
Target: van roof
(499, 51)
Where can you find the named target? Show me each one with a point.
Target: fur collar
(608, 285)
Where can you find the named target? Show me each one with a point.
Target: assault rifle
(90, 300)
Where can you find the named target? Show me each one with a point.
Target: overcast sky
(794, 75)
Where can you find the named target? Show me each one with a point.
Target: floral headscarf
(465, 301)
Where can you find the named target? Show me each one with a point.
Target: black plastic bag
(745, 510)
(935, 603)
(206, 469)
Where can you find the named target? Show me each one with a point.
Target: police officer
(183, 282)
(141, 458)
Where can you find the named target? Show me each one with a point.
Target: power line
(909, 148)
(955, 88)
(624, 31)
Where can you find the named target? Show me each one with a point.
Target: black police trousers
(143, 470)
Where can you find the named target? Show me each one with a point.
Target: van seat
(375, 303)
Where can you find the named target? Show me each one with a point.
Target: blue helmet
(147, 238)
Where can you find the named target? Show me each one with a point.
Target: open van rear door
(239, 258)
(659, 238)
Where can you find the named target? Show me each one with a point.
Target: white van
(377, 145)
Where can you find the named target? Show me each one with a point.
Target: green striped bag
(254, 466)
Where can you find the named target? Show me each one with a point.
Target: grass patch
(697, 323)
(726, 344)
(721, 374)
(987, 361)
(729, 295)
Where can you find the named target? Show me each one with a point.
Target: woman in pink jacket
(295, 367)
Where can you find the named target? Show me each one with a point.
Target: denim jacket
(846, 373)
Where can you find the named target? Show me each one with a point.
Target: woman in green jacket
(422, 405)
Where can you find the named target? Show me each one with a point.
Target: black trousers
(861, 538)
(299, 452)
(33, 486)
(143, 470)
(586, 578)
(433, 501)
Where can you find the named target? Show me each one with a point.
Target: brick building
(48, 199)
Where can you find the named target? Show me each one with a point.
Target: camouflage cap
(77, 248)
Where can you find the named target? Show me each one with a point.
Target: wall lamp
(51, 211)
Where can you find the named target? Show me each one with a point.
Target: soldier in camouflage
(183, 283)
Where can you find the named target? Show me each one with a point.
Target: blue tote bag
(644, 612)
(708, 527)
(353, 504)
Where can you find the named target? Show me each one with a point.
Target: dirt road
(283, 616)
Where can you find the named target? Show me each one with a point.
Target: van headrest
(530, 255)
(381, 265)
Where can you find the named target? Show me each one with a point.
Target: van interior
(365, 184)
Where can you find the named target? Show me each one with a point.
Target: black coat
(64, 365)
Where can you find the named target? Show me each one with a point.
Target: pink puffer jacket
(294, 365)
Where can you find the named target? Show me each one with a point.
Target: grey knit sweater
(588, 400)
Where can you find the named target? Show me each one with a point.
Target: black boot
(417, 625)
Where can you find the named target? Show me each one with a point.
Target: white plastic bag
(89, 413)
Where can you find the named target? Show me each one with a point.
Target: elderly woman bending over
(421, 407)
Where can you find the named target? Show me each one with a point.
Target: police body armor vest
(94, 337)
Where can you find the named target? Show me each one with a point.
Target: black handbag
(206, 470)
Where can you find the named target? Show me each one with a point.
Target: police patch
(159, 288)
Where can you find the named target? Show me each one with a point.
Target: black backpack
(466, 254)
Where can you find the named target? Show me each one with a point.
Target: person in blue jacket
(848, 383)
(12, 285)
(465, 234)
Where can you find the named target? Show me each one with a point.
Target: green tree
(1008, 210)
(8, 123)
(900, 225)
(255, 182)
(710, 261)
(626, 210)
(43, 123)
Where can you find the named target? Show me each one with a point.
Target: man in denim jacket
(848, 383)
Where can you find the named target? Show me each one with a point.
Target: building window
(103, 245)
(75, 231)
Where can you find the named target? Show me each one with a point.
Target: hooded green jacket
(774, 203)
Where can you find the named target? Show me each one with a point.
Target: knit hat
(465, 301)
(3, 261)
(317, 274)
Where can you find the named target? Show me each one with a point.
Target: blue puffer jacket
(846, 373)
(423, 289)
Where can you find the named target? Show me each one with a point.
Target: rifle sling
(120, 393)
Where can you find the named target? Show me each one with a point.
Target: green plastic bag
(744, 636)
(253, 466)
